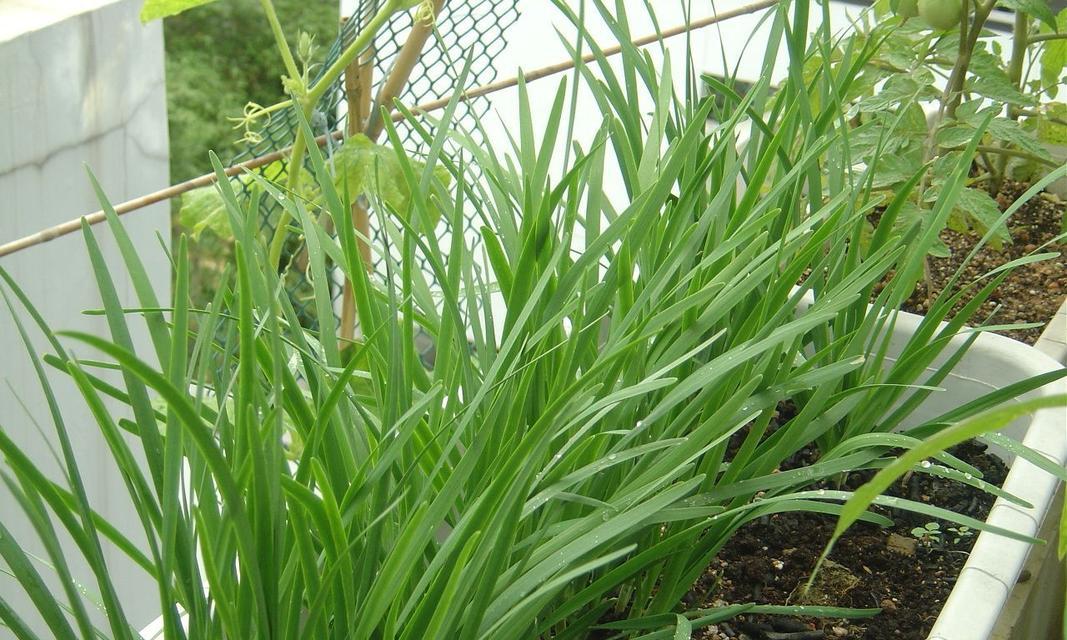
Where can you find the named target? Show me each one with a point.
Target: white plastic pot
(995, 563)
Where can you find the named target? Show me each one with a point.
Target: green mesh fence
(474, 28)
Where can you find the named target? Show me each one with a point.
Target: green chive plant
(937, 74)
(599, 418)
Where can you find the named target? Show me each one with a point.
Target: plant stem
(296, 158)
(1014, 153)
(279, 39)
(1020, 31)
(953, 94)
(292, 183)
(1038, 114)
(307, 105)
(399, 75)
(1044, 37)
(1019, 42)
(349, 54)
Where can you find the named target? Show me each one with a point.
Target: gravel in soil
(768, 560)
(1032, 293)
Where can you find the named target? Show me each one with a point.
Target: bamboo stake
(97, 217)
(359, 78)
(358, 83)
(401, 72)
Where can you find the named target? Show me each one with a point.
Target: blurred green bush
(219, 57)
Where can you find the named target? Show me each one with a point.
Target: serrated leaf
(873, 137)
(894, 169)
(1054, 56)
(986, 65)
(911, 214)
(954, 135)
(942, 169)
(957, 221)
(865, 83)
(968, 112)
(901, 89)
(948, 46)
(204, 209)
(1051, 132)
(938, 249)
(990, 79)
(1036, 8)
(155, 9)
(1010, 131)
(980, 213)
(999, 89)
(900, 48)
(366, 168)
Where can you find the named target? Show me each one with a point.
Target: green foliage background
(219, 57)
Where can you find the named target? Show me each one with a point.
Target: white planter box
(993, 362)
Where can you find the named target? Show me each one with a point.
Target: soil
(1032, 293)
(769, 559)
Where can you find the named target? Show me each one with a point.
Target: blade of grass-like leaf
(576, 549)
(92, 549)
(993, 399)
(120, 332)
(135, 269)
(14, 623)
(552, 586)
(199, 432)
(47, 604)
(1035, 458)
(683, 628)
(984, 422)
(173, 517)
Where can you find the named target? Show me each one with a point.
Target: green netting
(474, 28)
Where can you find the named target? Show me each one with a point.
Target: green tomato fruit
(940, 14)
(907, 8)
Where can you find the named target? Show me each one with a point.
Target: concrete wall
(81, 83)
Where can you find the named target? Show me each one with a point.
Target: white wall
(81, 82)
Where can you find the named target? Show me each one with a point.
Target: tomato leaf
(980, 212)
(155, 9)
(1054, 56)
(204, 209)
(1051, 132)
(365, 168)
(1036, 8)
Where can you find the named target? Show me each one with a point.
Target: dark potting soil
(768, 560)
(1032, 293)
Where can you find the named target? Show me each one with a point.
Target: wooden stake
(401, 72)
(359, 79)
(174, 191)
